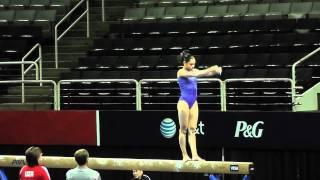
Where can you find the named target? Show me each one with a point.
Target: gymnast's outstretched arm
(200, 73)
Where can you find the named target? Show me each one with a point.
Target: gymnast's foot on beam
(186, 158)
(197, 158)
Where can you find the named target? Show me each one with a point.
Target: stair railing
(293, 71)
(24, 72)
(58, 38)
(103, 11)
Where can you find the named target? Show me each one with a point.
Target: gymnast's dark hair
(185, 56)
(32, 156)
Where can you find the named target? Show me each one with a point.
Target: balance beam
(217, 167)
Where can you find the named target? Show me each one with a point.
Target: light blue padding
(3, 175)
(213, 177)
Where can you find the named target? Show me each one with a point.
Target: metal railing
(103, 12)
(98, 80)
(257, 80)
(293, 69)
(175, 80)
(33, 63)
(58, 38)
(39, 59)
(36, 81)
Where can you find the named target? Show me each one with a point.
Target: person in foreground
(138, 175)
(82, 171)
(33, 170)
(187, 105)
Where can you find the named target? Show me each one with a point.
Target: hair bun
(185, 54)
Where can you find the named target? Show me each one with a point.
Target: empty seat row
(154, 95)
(202, 61)
(60, 5)
(27, 16)
(244, 42)
(293, 10)
(14, 49)
(303, 74)
(42, 18)
(150, 3)
(198, 28)
(32, 33)
(87, 95)
(97, 105)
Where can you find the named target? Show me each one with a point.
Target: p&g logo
(249, 131)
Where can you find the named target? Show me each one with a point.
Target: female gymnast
(187, 105)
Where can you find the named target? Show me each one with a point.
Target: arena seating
(24, 23)
(248, 39)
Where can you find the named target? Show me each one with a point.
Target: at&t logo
(168, 128)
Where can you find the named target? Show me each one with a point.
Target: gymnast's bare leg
(193, 122)
(183, 113)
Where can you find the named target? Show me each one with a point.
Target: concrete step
(82, 32)
(49, 74)
(62, 64)
(29, 77)
(28, 98)
(94, 25)
(50, 71)
(31, 90)
(54, 71)
(77, 32)
(26, 106)
(96, 3)
(11, 71)
(11, 77)
(53, 78)
(80, 29)
(64, 56)
(75, 48)
(76, 40)
(96, 15)
(95, 10)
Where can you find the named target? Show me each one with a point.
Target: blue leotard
(188, 89)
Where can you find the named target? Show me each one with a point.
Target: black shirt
(143, 177)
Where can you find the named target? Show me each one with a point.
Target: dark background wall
(287, 150)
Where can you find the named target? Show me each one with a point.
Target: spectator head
(33, 154)
(137, 173)
(81, 156)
